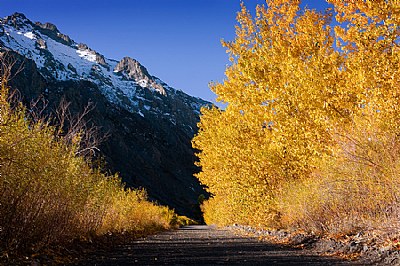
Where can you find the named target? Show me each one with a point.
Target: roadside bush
(49, 195)
(356, 190)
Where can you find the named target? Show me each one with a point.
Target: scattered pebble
(364, 247)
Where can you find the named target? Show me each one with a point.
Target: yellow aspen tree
(311, 111)
(281, 100)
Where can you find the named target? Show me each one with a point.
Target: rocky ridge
(149, 124)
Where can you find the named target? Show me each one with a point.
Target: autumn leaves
(329, 97)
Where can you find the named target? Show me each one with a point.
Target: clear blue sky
(176, 40)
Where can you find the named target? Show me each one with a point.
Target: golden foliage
(298, 95)
(49, 195)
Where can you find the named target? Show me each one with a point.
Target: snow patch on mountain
(143, 83)
(30, 35)
(87, 55)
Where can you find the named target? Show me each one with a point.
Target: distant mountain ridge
(150, 124)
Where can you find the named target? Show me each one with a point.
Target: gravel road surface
(205, 245)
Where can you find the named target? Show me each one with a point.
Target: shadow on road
(204, 245)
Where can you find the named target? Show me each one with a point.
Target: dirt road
(204, 245)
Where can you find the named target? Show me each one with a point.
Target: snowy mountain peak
(131, 69)
(52, 31)
(16, 20)
(126, 83)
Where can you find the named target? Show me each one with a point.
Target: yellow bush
(356, 189)
(129, 210)
(50, 195)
